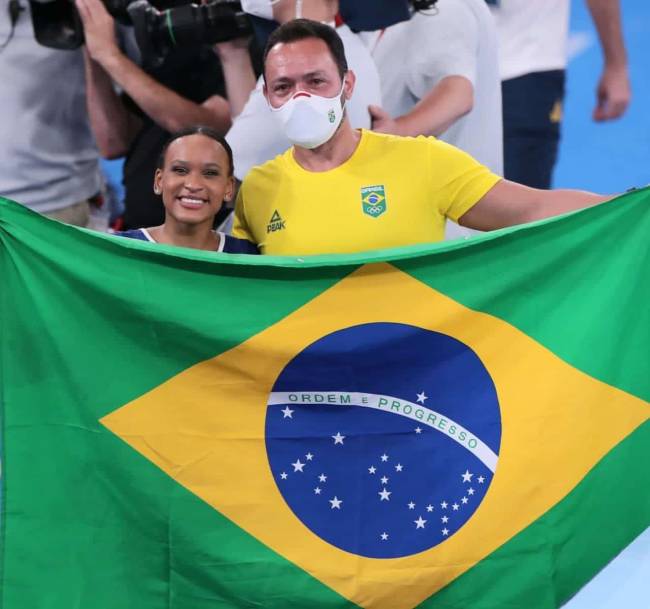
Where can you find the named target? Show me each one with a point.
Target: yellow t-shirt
(392, 191)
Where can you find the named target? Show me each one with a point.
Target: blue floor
(607, 157)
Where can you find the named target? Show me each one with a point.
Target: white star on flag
(481, 479)
(322, 478)
(384, 480)
(399, 467)
(384, 495)
(317, 490)
(384, 457)
(284, 475)
(470, 491)
(443, 505)
(422, 397)
(297, 466)
(455, 507)
(372, 469)
(419, 523)
(444, 519)
(384, 536)
(445, 532)
(418, 430)
(467, 477)
(309, 456)
(429, 508)
(336, 503)
(287, 412)
(411, 505)
(338, 438)
(464, 500)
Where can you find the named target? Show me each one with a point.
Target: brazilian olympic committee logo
(373, 199)
(331, 115)
(383, 438)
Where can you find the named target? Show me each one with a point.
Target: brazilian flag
(460, 425)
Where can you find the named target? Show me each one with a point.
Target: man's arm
(449, 100)
(237, 72)
(168, 109)
(509, 203)
(613, 92)
(112, 124)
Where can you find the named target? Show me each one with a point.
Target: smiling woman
(194, 177)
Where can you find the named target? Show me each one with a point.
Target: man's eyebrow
(281, 80)
(288, 79)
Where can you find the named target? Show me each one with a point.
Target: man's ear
(350, 81)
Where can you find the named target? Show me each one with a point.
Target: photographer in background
(186, 89)
(48, 159)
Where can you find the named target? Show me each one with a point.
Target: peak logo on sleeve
(276, 223)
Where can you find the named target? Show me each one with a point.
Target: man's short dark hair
(301, 29)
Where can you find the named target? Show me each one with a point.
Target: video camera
(57, 24)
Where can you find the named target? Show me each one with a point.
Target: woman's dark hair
(300, 29)
(197, 130)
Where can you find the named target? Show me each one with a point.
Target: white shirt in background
(459, 39)
(532, 36)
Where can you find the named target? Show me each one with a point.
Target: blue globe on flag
(383, 438)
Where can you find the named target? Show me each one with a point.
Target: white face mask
(310, 120)
(264, 8)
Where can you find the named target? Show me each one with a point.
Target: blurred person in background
(533, 38)
(439, 76)
(254, 136)
(186, 89)
(48, 158)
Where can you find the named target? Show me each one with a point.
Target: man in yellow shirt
(341, 190)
